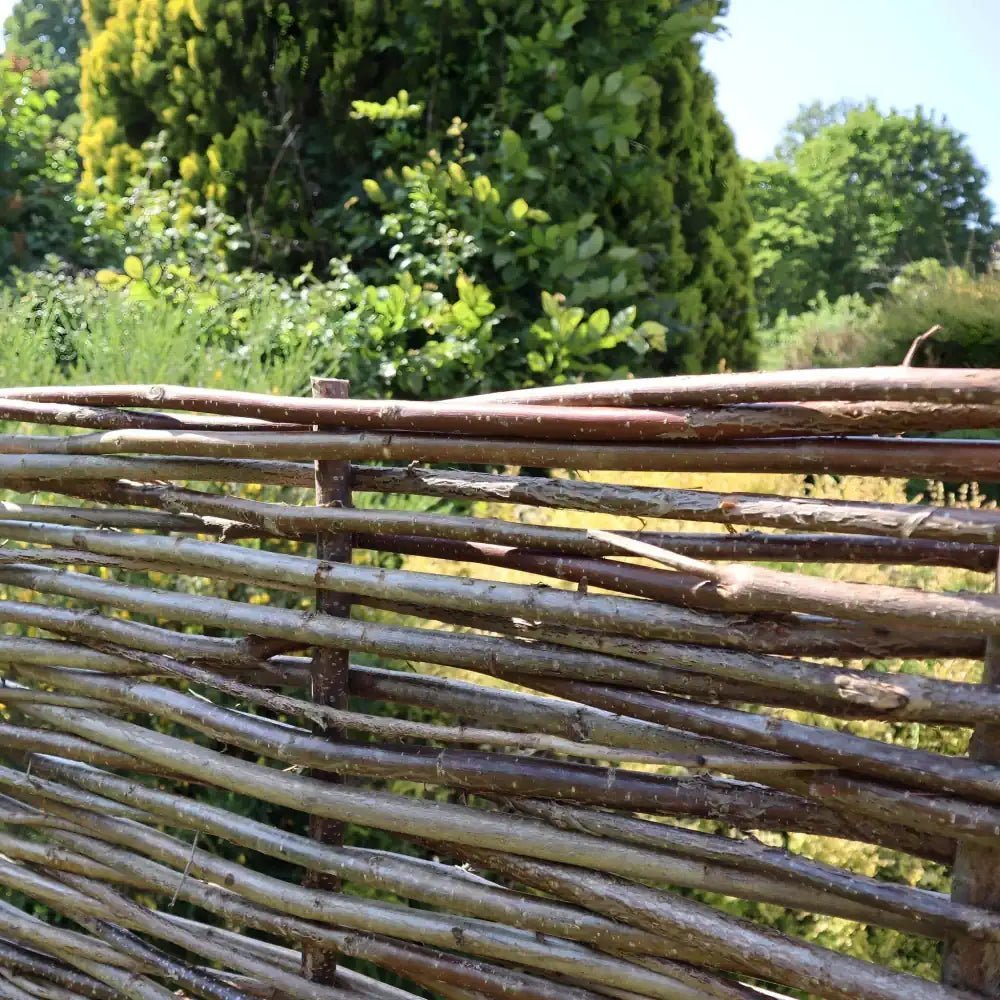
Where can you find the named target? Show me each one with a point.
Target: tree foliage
(49, 34)
(856, 196)
(38, 169)
(594, 115)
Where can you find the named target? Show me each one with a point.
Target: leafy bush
(966, 306)
(829, 334)
(48, 34)
(597, 114)
(38, 169)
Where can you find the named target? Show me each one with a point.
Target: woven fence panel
(304, 697)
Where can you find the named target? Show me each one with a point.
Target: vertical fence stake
(968, 963)
(329, 668)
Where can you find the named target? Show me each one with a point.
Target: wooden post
(969, 963)
(329, 668)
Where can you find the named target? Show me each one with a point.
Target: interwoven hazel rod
(772, 950)
(938, 385)
(472, 416)
(626, 617)
(676, 664)
(742, 588)
(867, 980)
(635, 662)
(430, 882)
(745, 805)
(880, 384)
(935, 459)
(341, 912)
(204, 513)
(519, 712)
(496, 772)
(31, 963)
(438, 885)
(107, 418)
(758, 510)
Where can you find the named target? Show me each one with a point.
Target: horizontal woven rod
(632, 662)
(470, 770)
(28, 473)
(732, 762)
(32, 963)
(754, 509)
(199, 981)
(45, 652)
(465, 650)
(904, 765)
(45, 854)
(520, 710)
(25, 787)
(81, 899)
(642, 581)
(442, 694)
(727, 759)
(746, 676)
(924, 912)
(28, 931)
(427, 973)
(792, 636)
(636, 618)
(236, 517)
(855, 796)
(221, 652)
(15, 987)
(937, 385)
(880, 693)
(364, 986)
(124, 981)
(476, 416)
(424, 966)
(25, 739)
(398, 814)
(743, 588)
(109, 418)
(749, 587)
(433, 883)
(776, 958)
(476, 936)
(785, 635)
(90, 517)
(516, 710)
(750, 854)
(493, 980)
(777, 634)
(963, 461)
(495, 772)
(11, 696)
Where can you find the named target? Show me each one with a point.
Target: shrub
(597, 114)
(966, 306)
(827, 335)
(38, 169)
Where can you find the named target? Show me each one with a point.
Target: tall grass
(76, 333)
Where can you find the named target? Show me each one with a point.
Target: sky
(776, 55)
